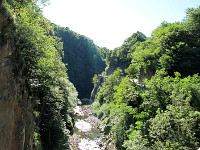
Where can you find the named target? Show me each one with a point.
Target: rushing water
(87, 135)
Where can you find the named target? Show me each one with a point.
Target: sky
(109, 22)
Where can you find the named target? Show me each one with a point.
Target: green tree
(39, 68)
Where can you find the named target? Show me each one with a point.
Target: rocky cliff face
(16, 118)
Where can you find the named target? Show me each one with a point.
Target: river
(88, 131)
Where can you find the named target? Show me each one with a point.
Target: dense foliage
(121, 56)
(83, 59)
(152, 102)
(149, 97)
(37, 63)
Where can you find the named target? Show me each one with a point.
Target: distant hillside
(83, 58)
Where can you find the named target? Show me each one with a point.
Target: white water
(87, 144)
(78, 111)
(83, 126)
(88, 136)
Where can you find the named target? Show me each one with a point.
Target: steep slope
(161, 109)
(16, 117)
(83, 58)
(121, 57)
(36, 97)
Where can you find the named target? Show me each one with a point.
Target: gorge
(142, 95)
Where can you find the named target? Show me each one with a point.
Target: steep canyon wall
(16, 118)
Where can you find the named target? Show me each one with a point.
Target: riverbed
(88, 132)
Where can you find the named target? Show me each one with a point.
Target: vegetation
(121, 56)
(149, 97)
(38, 66)
(83, 58)
(150, 100)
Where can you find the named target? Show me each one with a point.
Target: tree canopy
(150, 99)
(148, 96)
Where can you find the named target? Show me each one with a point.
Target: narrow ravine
(88, 133)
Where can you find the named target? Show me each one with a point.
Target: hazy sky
(109, 22)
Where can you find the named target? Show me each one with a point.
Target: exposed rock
(85, 101)
(83, 126)
(96, 88)
(16, 119)
(78, 111)
(94, 121)
(88, 135)
(87, 144)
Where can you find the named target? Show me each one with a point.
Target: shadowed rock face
(16, 119)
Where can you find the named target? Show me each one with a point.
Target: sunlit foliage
(38, 66)
(154, 102)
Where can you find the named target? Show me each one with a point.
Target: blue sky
(109, 22)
